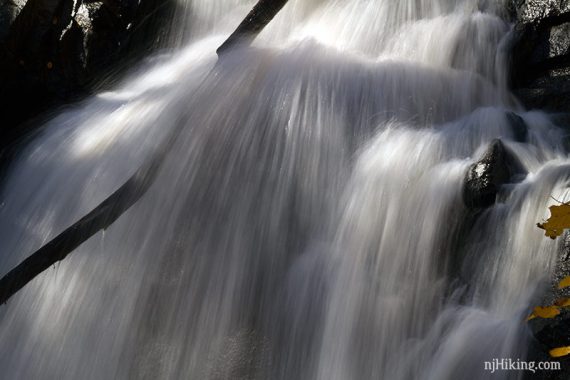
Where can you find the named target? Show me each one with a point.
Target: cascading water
(308, 222)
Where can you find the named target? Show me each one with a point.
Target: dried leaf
(558, 221)
(564, 283)
(560, 351)
(544, 312)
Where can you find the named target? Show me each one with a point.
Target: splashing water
(307, 224)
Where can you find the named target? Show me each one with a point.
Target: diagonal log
(257, 19)
(131, 191)
(98, 219)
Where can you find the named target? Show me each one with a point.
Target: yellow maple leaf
(564, 283)
(560, 351)
(544, 312)
(558, 221)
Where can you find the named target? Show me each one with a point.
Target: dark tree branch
(261, 14)
(99, 219)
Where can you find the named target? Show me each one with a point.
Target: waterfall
(308, 222)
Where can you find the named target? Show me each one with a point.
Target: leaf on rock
(544, 312)
(564, 283)
(559, 352)
(558, 221)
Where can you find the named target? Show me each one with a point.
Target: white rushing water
(307, 223)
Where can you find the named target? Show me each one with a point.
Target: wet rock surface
(244, 356)
(541, 53)
(483, 181)
(51, 51)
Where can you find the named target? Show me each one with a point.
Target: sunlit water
(308, 221)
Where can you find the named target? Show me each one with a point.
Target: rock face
(541, 79)
(555, 332)
(51, 50)
(541, 53)
(497, 167)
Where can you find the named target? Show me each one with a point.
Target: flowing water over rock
(308, 222)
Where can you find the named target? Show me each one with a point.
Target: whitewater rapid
(308, 222)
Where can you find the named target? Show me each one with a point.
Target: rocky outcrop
(541, 53)
(484, 179)
(51, 50)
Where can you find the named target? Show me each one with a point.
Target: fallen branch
(99, 219)
(261, 14)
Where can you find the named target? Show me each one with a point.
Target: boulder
(484, 179)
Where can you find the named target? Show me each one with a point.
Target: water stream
(308, 222)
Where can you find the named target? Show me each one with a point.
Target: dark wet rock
(541, 53)
(52, 51)
(518, 127)
(9, 9)
(530, 11)
(484, 179)
(547, 334)
(552, 333)
(551, 91)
